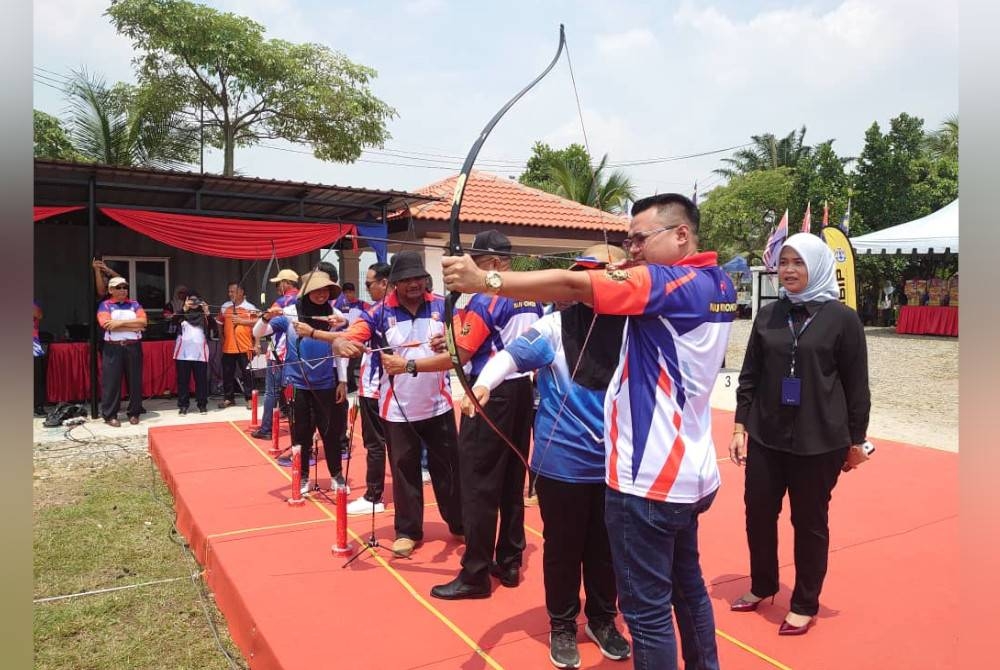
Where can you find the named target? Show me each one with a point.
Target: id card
(791, 391)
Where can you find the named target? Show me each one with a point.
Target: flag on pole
(845, 223)
(807, 219)
(774, 242)
(826, 214)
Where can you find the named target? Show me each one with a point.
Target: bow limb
(455, 245)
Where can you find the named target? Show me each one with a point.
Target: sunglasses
(639, 239)
(120, 287)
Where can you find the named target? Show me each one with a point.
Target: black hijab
(600, 357)
(306, 308)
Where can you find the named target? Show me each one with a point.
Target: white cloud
(423, 7)
(629, 41)
(604, 133)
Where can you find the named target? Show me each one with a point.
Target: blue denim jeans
(273, 385)
(655, 550)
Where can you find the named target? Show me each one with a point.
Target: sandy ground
(914, 385)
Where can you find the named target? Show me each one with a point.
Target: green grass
(108, 529)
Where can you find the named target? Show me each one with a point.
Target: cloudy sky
(657, 80)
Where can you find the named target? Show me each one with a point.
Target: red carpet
(890, 598)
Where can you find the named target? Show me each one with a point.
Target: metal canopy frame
(92, 186)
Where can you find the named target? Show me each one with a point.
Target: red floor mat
(890, 598)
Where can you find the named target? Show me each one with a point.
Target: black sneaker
(562, 649)
(610, 641)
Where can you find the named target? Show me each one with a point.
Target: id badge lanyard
(795, 338)
(791, 386)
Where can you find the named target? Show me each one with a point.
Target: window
(148, 279)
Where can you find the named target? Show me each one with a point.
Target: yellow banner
(843, 255)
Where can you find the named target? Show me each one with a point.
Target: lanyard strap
(796, 336)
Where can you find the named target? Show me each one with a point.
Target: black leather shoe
(456, 589)
(260, 435)
(509, 576)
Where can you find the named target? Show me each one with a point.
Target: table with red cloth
(928, 320)
(67, 378)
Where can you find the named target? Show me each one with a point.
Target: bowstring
(593, 322)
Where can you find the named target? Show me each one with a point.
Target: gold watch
(493, 281)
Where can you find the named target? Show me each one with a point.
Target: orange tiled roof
(490, 198)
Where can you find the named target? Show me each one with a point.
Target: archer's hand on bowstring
(461, 274)
(439, 344)
(482, 395)
(346, 348)
(393, 364)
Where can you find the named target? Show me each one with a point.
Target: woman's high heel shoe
(788, 629)
(741, 604)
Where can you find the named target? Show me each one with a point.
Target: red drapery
(46, 212)
(928, 320)
(68, 371)
(230, 238)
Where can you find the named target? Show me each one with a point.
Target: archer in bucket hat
(407, 265)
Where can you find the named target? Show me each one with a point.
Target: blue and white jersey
(658, 421)
(568, 446)
(309, 363)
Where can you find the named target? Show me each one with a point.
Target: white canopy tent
(936, 233)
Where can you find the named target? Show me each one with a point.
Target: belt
(121, 343)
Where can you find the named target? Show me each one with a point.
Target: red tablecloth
(928, 320)
(68, 375)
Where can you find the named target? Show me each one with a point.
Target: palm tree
(943, 142)
(121, 126)
(611, 193)
(766, 153)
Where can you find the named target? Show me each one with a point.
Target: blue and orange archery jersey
(489, 323)
(657, 417)
(120, 311)
(286, 303)
(389, 324)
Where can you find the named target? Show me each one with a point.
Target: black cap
(406, 265)
(489, 242)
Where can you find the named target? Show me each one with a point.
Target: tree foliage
(732, 216)
(538, 172)
(898, 179)
(51, 139)
(568, 173)
(820, 177)
(767, 152)
(123, 125)
(197, 59)
(943, 142)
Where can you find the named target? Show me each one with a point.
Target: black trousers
(403, 444)
(186, 370)
(40, 364)
(493, 481)
(116, 360)
(574, 536)
(373, 433)
(809, 481)
(233, 366)
(317, 409)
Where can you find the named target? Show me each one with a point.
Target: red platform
(890, 599)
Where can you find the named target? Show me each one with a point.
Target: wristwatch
(411, 367)
(494, 282)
